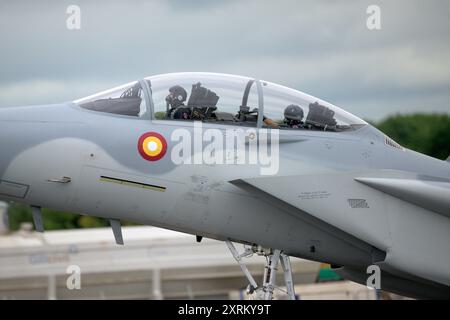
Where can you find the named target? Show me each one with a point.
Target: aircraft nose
(12, 134)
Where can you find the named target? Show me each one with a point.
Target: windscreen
(127, 100)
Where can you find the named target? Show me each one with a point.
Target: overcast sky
(323, 48)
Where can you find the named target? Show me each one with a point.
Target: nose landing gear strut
(273, 258)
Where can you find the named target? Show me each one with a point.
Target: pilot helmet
(293, 113)
(177, 96)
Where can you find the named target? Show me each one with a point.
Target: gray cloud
(320, 47)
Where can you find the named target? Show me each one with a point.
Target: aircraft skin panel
(432, 195)
(395, 226)
(305, 216)
(13, 189)
(415, 288)
(203, 204)
(50, 170)
(420, 241)
(333, 203)
(143, 195)
(223, 212)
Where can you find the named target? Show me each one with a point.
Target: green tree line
(425, 133)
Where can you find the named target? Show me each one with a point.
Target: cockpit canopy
(222, 99)
(126, 100)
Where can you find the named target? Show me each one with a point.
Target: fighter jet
(239, 160)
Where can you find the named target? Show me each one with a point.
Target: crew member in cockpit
(293, 116)
(175, 103)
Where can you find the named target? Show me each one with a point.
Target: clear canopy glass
(313, 113)
(127, 100)
(223, 99)
(203, 96)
